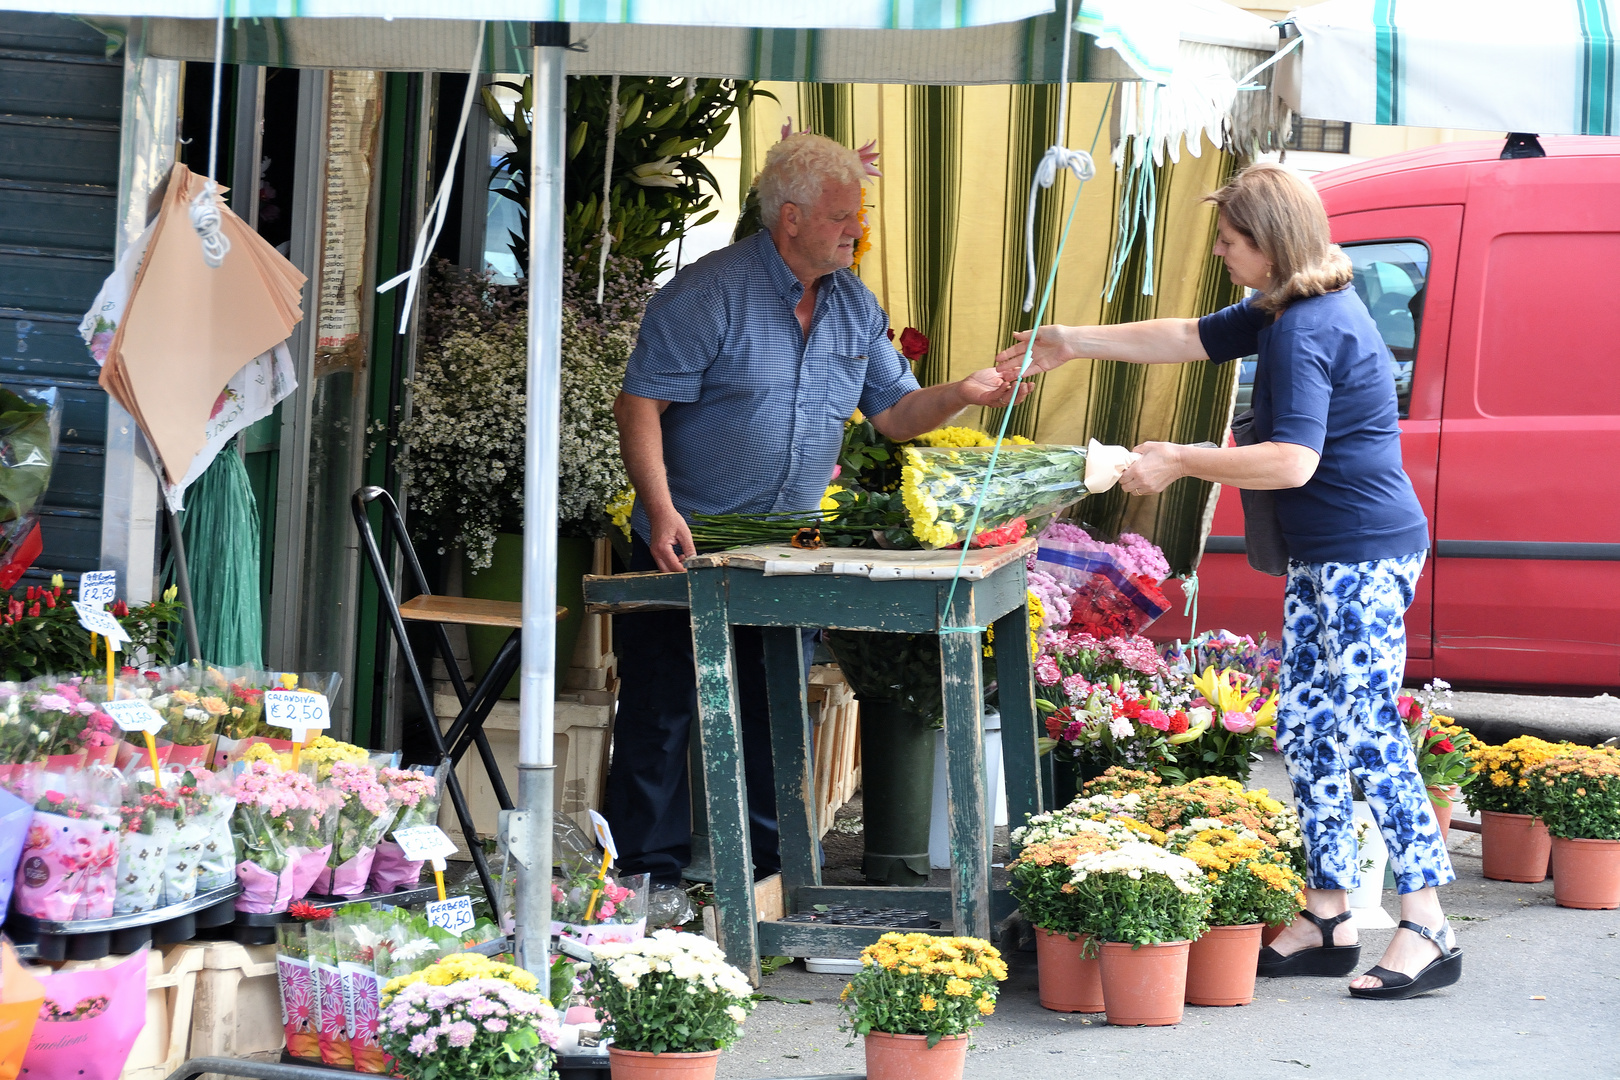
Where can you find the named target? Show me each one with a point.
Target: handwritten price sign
(420, 843)
(454, 914)
(298, 711)
(97, 621)
(98, 587)
(134, 715)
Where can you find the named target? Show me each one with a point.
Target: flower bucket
(1144, 985)
(1586, 873)
(1516, 846)
(641, 1065)
(1069, 981)
(909, 1057)
(1221, 965)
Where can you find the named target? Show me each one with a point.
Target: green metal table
(782, 589)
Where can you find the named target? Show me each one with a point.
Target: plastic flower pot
(503, 580)
(1586, 873)
(1069, 981)
(1442, 810)
(1516, 846)
(1221, 965)
(909, 1057)
(1144, 985)
(642, 1065)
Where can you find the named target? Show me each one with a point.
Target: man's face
(823, 236)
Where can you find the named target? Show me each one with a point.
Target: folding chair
(468, 728)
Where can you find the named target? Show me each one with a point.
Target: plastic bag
(30, 422)
(70, 856)
(146, 828)
(1107, 600)
(615, 912)
(88, 1022)
(21, 996)
(941, 486)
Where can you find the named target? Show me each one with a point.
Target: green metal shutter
(60, 103)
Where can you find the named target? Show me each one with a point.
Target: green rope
(1006, 414)
(221, 530)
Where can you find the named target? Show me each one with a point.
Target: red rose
(1444, 746)
(913, 345)
(1404, 705)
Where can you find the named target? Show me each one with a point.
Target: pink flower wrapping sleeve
(392, 871)
(60, 856)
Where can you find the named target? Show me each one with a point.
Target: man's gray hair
(797, 167)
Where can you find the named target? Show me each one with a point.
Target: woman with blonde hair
(1325, 443)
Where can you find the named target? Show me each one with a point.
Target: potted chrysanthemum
(1146, 905)
(1577, 793)
(1250, 887)
(1515, 845)
(467, 1018)
(916, 998)
(669, 1002)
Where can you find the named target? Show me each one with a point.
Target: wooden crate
(171, 986)
(584, 728)
(837, 736)
(238, 1009)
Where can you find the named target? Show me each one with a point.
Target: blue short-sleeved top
(757, 411)
(1324, 381)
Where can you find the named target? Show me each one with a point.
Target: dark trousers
(648, 795)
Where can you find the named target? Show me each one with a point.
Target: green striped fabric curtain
(947, 257)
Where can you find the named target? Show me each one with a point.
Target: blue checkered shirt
(757, 412)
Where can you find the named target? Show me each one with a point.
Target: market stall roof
(1489, 65)
(1014, 41)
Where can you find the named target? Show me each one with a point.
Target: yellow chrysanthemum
(926, 1003)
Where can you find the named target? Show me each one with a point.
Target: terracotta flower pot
(1516, 846)
(1442, 810)
(1144, 986)
(1586, 873)
(641, 1065)
(1268, 934)
(1221, 965)
(909, 1057)
(1069, 981)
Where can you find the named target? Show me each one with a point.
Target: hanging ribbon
(1189, 589)
(607, 189)
(204, 210)
(434, 221)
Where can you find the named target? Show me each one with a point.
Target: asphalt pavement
(1540, 997)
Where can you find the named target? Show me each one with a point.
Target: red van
(1496, 285)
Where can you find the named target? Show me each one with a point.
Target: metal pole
(538, 682)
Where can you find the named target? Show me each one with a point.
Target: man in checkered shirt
(734, 401)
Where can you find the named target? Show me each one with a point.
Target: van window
(1389, 278)
(1548, 326)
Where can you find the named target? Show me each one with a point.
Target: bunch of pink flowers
(480, 1027)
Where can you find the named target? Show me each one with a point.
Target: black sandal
(1442, 971)
(1327, 959)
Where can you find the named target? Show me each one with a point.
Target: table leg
(1020, 723)
(720, 719)
(964, 777)
(791, 755)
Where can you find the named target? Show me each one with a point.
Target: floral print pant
(1344, 655)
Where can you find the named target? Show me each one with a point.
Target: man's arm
(641, 444)
(1154, 341)
(932, 406)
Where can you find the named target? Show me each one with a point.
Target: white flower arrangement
(1134, 859)
(669, 991)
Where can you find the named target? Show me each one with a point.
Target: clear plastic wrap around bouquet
(362, 819)
(416, 793)
(941, 486)
(146, 829)
(70, 860)
(1115, 587)
(284, 826)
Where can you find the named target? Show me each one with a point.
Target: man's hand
(670, 540)
(1159, 466)
(1051, 350)
(988, 386)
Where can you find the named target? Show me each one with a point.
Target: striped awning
(1488, 65)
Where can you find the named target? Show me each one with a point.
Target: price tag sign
(423, 842)
(97, 621)
(134, 715)
(454, 914)
(98, 587)
(298, 711)
(604, 835)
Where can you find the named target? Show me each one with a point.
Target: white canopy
(1489, 65)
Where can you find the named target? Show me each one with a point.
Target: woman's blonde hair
(1280, 213)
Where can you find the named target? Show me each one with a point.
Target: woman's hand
(1051, 350)
(1159, 466)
